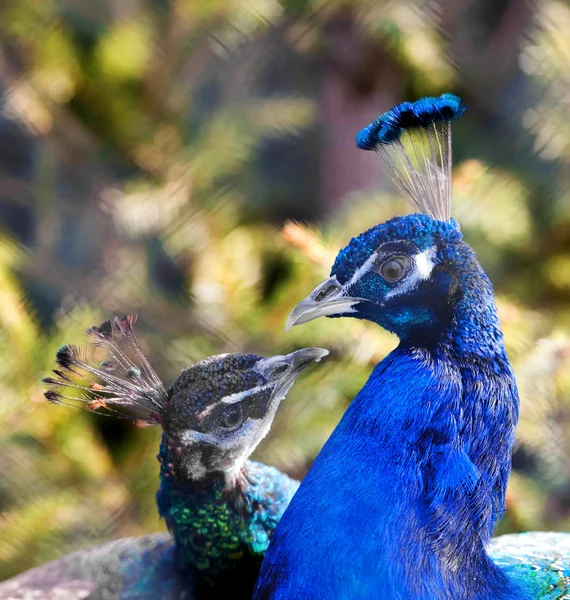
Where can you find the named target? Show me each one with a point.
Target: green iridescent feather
(216, 528)
(541, 559)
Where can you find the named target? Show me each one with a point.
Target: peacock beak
(327, 299)
(281, 371)
(301, 359)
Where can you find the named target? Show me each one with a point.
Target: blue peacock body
(220, 508)
(402, 499)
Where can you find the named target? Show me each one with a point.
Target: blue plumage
(409, 115)
(402, 500)
(539, 560)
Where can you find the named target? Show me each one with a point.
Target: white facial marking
(421, 270)
(194, 467)
(361, 271)
(264, 366)
(190, 435)
(233, 398)
(425, 262)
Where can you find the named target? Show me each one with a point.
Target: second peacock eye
(394, 269)
(231, 418)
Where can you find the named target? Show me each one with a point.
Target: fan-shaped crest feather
(123, 385)
(414, 140)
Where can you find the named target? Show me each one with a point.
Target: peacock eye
(231, 418)
(393, 269)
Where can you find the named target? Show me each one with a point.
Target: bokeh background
(193, 161)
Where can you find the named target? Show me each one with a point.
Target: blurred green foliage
(150, 152)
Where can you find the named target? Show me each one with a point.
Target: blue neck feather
(474, 328)
(402, 500)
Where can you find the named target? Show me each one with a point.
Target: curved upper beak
(327, 299)
(282, 371)
(301, 359)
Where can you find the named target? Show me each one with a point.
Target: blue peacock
(220, 507)
(402, 500)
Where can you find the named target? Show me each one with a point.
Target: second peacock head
(219, 410)
(213, 416)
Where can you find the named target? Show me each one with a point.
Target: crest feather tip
(123, 385)
(406, 116)
(414, 140)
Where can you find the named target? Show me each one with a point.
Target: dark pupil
(231, 418)
(392, 270)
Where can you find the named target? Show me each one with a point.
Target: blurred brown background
(152, 150)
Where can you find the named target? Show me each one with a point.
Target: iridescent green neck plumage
(218, 530)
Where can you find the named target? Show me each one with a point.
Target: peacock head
(400, 274)
(214, 414)
(219, 409)
(410, 273)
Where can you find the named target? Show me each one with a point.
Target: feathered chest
(405, 474)
(417, 402)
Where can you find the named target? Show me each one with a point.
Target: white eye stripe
(197, 437)
(233, 398)
(424, 263)
(361, 271)
(190, 435)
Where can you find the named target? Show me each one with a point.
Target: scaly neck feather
(451, 485)
(221, 534)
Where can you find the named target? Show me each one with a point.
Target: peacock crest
(124, 385)
(414, 141)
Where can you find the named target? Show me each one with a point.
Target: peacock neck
(444, 428)
(222, 531)
(456, 442)
(474, 331)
